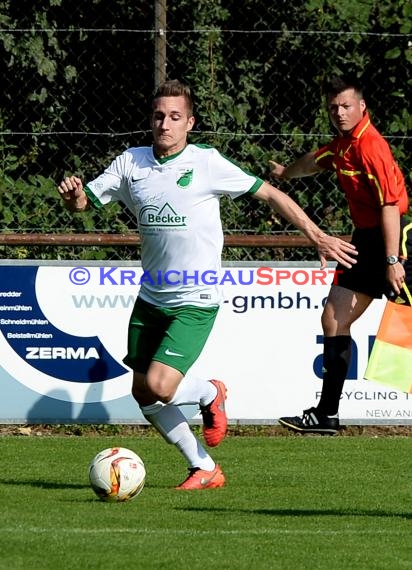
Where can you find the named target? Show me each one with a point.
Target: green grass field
(290, 503)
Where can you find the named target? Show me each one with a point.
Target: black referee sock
(336, 359)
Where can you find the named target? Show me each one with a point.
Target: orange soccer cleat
(214, 416)
(200, 479)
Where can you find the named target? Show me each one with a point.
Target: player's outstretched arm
(73, 195)
(329, 247)
(303, 166)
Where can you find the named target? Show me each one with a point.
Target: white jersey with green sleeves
(176, 204)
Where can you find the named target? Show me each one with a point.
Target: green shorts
(175, 336)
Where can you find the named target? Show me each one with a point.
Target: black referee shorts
(406, 253)
(368, 275)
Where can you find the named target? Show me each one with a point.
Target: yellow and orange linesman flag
(390, 361)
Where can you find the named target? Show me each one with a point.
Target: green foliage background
(257, 96)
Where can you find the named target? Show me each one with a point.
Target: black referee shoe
(312, 422)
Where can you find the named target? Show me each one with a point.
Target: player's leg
(342, 309)
(211, 396)
(171, 423)
(154, 381)
(186, 337)
(348, 299)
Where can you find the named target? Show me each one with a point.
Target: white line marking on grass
(147, 531)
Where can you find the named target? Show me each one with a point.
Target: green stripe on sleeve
(93, 198)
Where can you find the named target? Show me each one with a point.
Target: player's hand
(395, 274)
(71, 190)
(276, 170)
(71, 187)
(336, 249)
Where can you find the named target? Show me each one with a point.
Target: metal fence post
(160, 42)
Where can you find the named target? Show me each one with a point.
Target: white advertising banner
(63, 331)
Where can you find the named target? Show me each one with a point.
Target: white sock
(168, 420)
(194, 390)
(194, 453)
(172, 425)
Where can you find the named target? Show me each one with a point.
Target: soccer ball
(117, 474)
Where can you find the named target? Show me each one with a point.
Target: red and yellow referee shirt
(367, 172)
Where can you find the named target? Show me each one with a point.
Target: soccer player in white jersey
(174, 189)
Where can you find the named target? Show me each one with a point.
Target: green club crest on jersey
(185, 179)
